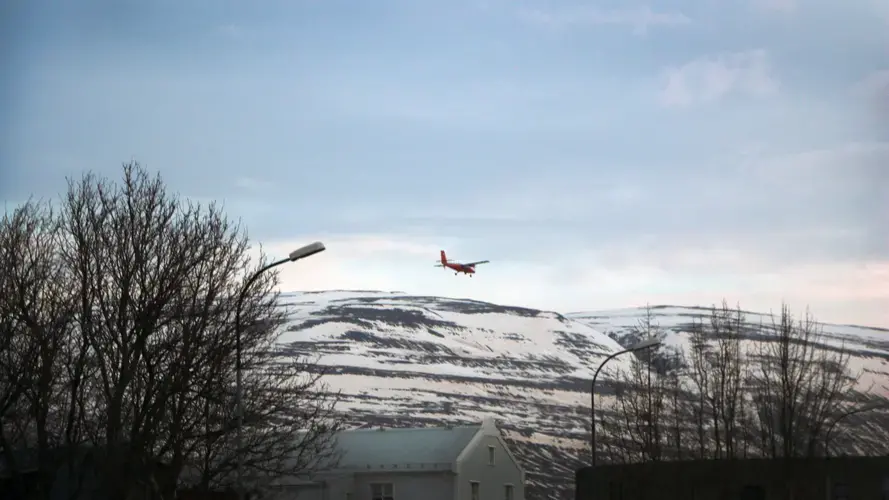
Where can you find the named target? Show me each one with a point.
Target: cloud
(359, 261)
(578, 279)
(787, 208)
(855, 164)
(874, 85)
(881, 9)
(710, 79)
(781, 6)
(418, 98)
(873, 93)
(640, 18)
(840, 190)
(579, 190)
(253, 184)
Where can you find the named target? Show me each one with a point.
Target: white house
(434, 463)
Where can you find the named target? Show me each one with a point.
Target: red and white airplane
(467, 268)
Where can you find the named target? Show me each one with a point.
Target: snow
(868, 346)
(483, 336)
(434, 359)
(503, 357)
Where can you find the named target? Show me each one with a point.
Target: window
(490, 455)
(507, 492)
(381, 491)
(473, 486)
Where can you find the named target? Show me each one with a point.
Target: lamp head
(645, 344)
(307, 251)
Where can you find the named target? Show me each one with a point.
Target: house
(442, 463)
(837, 478)
(70, 473)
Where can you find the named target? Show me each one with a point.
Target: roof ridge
(405, 429)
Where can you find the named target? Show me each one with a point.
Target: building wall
(491, 478)
(296, 492)
(406, 485)
(800, 479)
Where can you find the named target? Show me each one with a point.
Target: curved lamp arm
(862, 409)
(645, 344)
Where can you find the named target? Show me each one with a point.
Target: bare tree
(641, 403)
(36, 304)
(699, 382)
(677, 412)
(716, 371)
(289, 429)
(612, 434)
(125, 298)
(642, 409)
(799, 383)
(17, 231)
(725, 389)
(771, 399)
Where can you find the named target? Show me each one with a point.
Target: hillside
(406, 360)
(868, 346)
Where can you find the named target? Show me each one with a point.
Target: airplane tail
(444, 258)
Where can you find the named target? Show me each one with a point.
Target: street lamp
(299, 253)
(645, 344)
(854, 411)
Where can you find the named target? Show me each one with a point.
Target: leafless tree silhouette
(117, 334)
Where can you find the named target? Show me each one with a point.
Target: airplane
(467, 268)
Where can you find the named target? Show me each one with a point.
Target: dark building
(840, 478)
(73, 473)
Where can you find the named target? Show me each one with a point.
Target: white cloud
(640, 18)
(712, 78)
(417, 98)
(874, 85)
(782, 6)
(881, 9)
(584, 279)
(873, 92)
(768, 244)
(549, 197)
(853, 168)
(873, 9)
(252, 184)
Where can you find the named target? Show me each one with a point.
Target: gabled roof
(400, 448)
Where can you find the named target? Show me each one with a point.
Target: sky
(600, 154)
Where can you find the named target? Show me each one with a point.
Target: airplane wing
(476, 263)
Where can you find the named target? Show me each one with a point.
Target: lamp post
(299, 253)
(645, 344)
(854, 411)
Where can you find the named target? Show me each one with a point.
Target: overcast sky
(601, 154)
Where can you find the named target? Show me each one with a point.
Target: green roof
(388, 448)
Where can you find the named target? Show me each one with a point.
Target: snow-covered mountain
(868, 346)
(402, 360)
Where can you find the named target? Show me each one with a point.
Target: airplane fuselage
(467, 268)
(460, 268)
